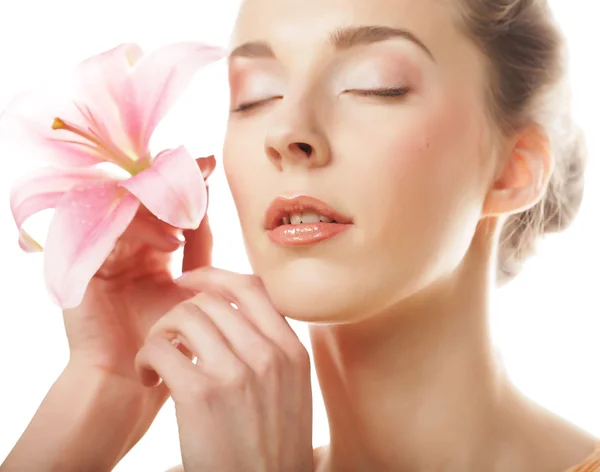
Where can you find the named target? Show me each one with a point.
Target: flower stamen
(113, 153)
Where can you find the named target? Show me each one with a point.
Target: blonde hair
(527, 58)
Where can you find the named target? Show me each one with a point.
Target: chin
(316, 291)
(329, 291)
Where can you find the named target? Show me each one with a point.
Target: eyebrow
(340, 39)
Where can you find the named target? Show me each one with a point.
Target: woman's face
(410, 168)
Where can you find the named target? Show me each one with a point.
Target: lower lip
(307, 233)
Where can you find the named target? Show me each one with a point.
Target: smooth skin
(244, 403)
(398, 305)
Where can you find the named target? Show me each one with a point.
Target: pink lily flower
(120, 97)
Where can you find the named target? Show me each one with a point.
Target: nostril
(305, 148)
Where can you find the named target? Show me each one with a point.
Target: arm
(87, 422)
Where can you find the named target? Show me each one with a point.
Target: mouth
(303, 220)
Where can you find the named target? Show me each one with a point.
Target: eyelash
(247, 106)
(383, 92)
(387, 92)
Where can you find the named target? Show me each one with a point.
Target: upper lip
(283, 206)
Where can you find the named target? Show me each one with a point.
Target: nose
(296, 139)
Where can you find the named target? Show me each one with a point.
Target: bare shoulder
(318, 455)
(549, 441)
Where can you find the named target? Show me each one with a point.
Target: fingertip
(155, 234)
(171, 242)
(207, 165)
(147, 375)
(150, 378)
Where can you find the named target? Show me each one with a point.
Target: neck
(417, 386)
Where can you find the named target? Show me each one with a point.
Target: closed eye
(382, 92)
(249, 105)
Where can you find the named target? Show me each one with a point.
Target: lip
(306, 233)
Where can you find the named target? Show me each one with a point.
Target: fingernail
(174, 239)
(208, 166)
(206, 173)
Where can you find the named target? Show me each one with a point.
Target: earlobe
(524, 177)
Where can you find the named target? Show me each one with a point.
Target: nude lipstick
(303, 220)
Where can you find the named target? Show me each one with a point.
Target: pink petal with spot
(173, 188)
(88, 221)
(43, 189)
(100, 84)
(158, 80)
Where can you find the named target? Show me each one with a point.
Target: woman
(391, 160)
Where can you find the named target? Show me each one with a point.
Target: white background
(546, 324)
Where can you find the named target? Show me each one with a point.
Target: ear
(523, 177)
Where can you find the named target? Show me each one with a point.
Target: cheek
(422, 180)
(240, 172)
(251, 181)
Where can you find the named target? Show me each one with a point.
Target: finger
(160, 359)
(198, 247)
(248, 294)
(245, 340)
(153, 233)
(199, 242)
(200, 336)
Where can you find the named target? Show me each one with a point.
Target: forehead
(302, 23)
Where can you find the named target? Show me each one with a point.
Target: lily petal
(28, 244)
(88, 221)
(99, 85)
(108, 71)
(157, 82)
(26, 126)
(173, 188)
(43, 189)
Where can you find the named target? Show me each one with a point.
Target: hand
(246, 403)
(128, 294)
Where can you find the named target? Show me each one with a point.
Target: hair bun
(556, 210)
(565, 190)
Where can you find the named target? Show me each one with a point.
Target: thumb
(197, 251)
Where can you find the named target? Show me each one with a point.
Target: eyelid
(390, 91)
(259, 87)
(252, 104)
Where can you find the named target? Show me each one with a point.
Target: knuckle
(203, 299)
(181, 311)
(252, 282)
(237, 379)
(155, 331)
(199, 389)
(187, 309)
(299, 356)
(268, 360)
(153, 342)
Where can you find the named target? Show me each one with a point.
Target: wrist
(88, 421)
(125, 405)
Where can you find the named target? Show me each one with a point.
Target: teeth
(297, 218)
